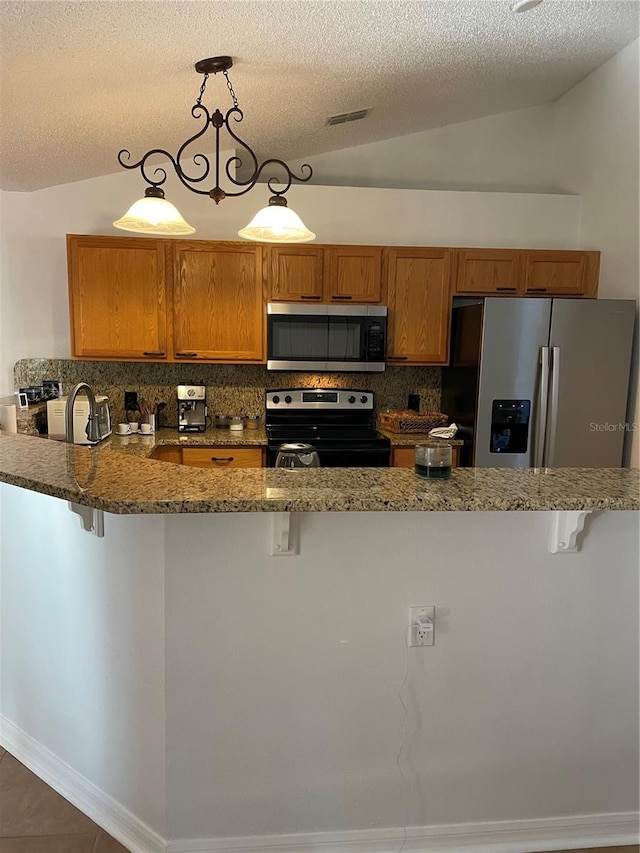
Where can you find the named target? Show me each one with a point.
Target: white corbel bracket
(92, 520)
(565, 528)
(283, 535)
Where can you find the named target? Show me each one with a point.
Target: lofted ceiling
(80, 80)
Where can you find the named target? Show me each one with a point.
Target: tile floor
(35, 819)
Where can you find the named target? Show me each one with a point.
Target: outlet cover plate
(417, 637)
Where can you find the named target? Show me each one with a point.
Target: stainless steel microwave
(326, 337)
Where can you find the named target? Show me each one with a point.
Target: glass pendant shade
(154, 215)
(276, 223)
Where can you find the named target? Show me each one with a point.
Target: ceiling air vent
(342, 118)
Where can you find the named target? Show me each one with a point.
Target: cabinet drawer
(226, 456)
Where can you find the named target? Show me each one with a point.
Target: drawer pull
(310, 297)
(186, 355)
(153, 354)
(509, 289)
(397, 357)
(222, 458)
(341, 297)
(537, 289)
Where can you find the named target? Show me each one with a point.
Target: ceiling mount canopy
(153, 214)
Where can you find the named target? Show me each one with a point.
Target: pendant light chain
(230, 87)
(202, 88)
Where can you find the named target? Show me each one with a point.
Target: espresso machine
(192, 408)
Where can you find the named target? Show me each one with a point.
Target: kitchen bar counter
(124, 483)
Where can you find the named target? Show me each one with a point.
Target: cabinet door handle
(222, 458)
(397, 357)
(334, 296)
(509, 289)
(153, 354)
(537, 289)
(310, 297)
(186, 355)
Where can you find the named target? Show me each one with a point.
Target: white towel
(444, 432)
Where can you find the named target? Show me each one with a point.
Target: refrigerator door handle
(550, 444)
(541, 414)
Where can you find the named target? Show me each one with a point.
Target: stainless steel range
(339, 423)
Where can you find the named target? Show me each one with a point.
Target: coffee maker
(192, 408)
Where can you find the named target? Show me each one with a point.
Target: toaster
(57, 410)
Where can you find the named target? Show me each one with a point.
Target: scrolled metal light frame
(156, 176)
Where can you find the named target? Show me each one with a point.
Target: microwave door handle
(541, 413)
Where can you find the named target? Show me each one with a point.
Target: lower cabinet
(168, 453)
(226, 456)
(405, 457)
(223, 456)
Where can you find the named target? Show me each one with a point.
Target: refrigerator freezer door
(514, 332)
(591, 373)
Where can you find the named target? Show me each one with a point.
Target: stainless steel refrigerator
(540, 382)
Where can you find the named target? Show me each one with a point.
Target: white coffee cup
(133, 426)
(123, 429)
(145, 429)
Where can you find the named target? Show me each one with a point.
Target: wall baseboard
(509, 836)
(110, 815)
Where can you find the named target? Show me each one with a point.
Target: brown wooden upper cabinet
(117, 297)
(218, 307)
(526, 272)
(561, 273)
(325, 274)
(295, 273)
(419, 297)
(483, 271)
(353, 274)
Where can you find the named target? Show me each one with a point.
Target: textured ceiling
(79, 80)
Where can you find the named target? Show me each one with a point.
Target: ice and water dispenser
(510, 426)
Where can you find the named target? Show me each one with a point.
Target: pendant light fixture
(153, 214)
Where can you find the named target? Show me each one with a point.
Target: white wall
(507, 152)
(35, 322)
(283, 673)
(82, 644)
(596, 155)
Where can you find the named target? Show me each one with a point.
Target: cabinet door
(555, 273)
(117, 297)
(295, 273)
(225, 456)
(354, 274)
(419, 294)
(489, 271)
(217, 302)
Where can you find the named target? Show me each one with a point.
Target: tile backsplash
(231, 388)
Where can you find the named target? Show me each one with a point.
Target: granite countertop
(410, 439)
(144, 445)
(107, 479)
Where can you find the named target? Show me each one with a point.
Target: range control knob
(363, 399)
(276, 399)
(287, 399)
(352, 399)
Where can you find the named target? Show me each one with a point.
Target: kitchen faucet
(93, 430)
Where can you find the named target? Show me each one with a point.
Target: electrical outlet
(131, 401)
(422, 625)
